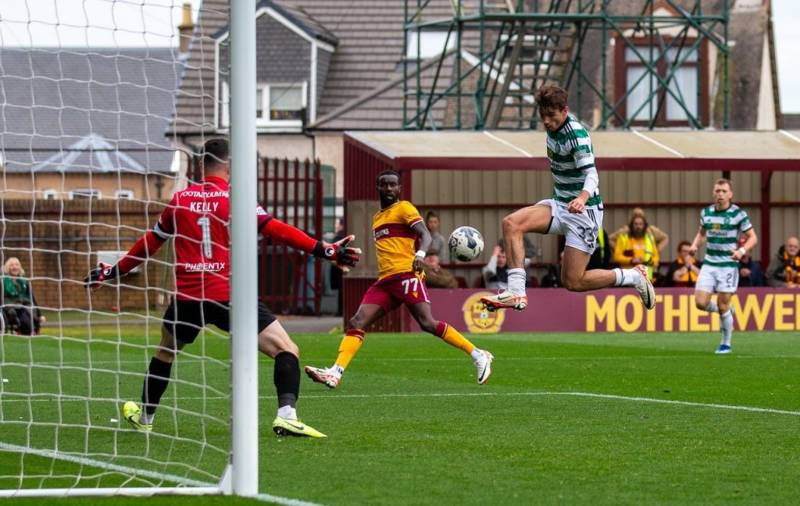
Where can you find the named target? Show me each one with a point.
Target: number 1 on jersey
(205, 226)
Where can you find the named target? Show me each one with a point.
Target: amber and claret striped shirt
(394, 238)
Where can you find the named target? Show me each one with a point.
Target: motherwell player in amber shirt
(396, 228)
(197, 218)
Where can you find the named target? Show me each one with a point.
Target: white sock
(476, 354)
(287, 412)
(337, 370)
(726, 325)
(516, 281)
(146, 419)
(712, 307)
(626, 277)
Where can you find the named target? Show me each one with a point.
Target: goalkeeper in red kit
(197, 217)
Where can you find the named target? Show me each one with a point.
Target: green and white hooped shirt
(722, 231)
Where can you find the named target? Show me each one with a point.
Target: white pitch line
(84, 461)
(333, 396)
(509, 144)
(161, 477)
(659, 144)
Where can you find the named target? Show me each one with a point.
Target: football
(466, 244)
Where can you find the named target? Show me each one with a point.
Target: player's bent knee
(165, 355)
(509, 225)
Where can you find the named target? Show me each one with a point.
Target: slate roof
(363, 88)
(367, 57)
(80, 110)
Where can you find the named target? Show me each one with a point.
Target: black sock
(287, 378)
(155, 384)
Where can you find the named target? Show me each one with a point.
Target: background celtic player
(720, 225)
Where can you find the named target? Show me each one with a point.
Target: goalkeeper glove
(100, 274)
(339, 253)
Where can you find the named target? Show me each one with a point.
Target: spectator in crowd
(661, 238)
(19, 304)
(784, 270)
(601, 258)
(495, 273)
(750, 272)
(683, 271)
(436, 276)
(438, 243)
(637, 246)
(336, 274)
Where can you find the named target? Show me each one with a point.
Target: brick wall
(57, 244)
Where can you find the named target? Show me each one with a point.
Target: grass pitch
(565, 419)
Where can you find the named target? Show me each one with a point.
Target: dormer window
(278, 106)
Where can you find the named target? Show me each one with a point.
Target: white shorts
(581, 230)
(718, 279)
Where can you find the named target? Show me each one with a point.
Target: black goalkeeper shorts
(183, 319)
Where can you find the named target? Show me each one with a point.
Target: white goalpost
(97, 131)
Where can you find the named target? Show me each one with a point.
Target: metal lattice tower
(498, 53)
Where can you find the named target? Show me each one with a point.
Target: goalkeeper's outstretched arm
(338, 252)
(146, 246)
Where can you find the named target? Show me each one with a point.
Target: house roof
(367, 58)
(85, 109)
(298, 17)
(364, 85)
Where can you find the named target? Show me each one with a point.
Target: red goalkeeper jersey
(198, 218)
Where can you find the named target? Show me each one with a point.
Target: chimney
(185, 28)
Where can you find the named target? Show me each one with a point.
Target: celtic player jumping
(575, 211)
(720, 225)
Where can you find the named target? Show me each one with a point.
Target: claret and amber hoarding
(615, 310)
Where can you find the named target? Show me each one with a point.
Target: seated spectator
(661, 238)
(438, 243)
(636, 246)
(19, 304)
(601, 258)
(436, 276)
(750, 272)
(784, 269)
(684, 270)
(495, 273)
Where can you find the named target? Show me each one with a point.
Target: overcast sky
(153, 22)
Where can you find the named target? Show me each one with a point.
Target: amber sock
(348, 348)
(454, 338)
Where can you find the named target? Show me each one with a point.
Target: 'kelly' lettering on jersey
(197, 217)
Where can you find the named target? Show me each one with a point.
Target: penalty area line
(651, 400)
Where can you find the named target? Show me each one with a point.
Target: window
(50, 194)
(123, 194)
(277, 105)
(430, 44)
(85, 193)
(646, 96)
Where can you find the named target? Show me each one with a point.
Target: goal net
(101, 104)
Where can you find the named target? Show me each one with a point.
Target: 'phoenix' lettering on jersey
(203, 207)
(381, 232)
(204, 267)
